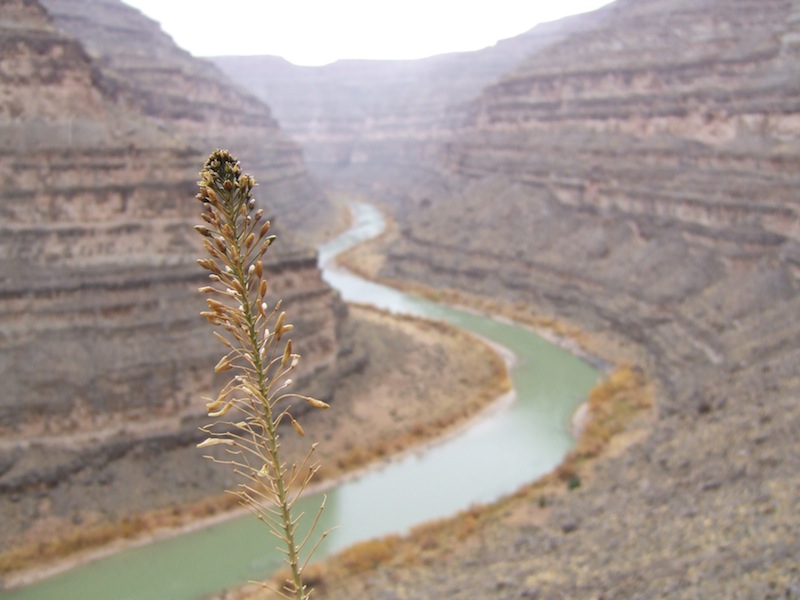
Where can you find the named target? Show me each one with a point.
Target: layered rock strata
(638, 178)
(147, 73)
(103, 355)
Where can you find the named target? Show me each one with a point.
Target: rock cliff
(148, 74)
(103, 356)
(638, 177)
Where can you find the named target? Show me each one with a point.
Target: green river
(505, 449)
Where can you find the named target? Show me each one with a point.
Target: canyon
(631, 172)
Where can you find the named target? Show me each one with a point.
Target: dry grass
(612, 406)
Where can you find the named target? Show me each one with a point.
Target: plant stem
(272, 445)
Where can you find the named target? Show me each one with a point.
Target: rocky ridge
(636, 178)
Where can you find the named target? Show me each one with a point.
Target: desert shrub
(368, 555)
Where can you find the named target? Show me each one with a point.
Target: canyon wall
(630, 174)
(103, 355)
(146, 73)
(637, 177)
(640, 179)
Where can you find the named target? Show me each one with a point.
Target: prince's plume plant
(255, 401)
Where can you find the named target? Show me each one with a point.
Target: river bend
(492, 457)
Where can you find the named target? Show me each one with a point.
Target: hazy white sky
(314, 32)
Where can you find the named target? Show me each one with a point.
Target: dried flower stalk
(254, 402)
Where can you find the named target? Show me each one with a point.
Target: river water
(505, 449)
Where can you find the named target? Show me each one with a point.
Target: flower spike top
(223, 172)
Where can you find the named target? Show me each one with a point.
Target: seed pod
(214, 404)
(217, 306)
(279, 325)
(211, 249)
(262, 288)
(317, 403)
(215, 441)
(211, 316)
(287, 354)
(221, 411)
(223, 365)
(237, 286)
(209, 265)
(223, 339)
(298, 428)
